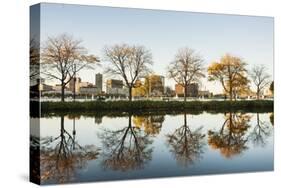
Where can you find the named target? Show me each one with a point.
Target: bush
(156, 106)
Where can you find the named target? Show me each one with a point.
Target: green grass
(118, 107)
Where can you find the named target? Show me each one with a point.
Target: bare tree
(62, 57)
(186, 145)
(34, 58)
(271, 87)
(260, 132)
(128, 62)
(260, 79)
(126, 149)
(62, 156)
(187, 67)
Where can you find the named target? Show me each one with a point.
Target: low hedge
(155, 106)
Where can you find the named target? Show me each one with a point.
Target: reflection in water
(61, 156)
(34, 158)
(260, 132)
(125, 149)
(271, 117)
(134, 146)
(98, 120)
(185, 144)
(231, 139)
(151, 124)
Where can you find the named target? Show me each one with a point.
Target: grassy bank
(115, 107)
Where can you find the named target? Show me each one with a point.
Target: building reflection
(186, 144)
(151, 124)
(231, 139)
(125, 149)
(62, 156)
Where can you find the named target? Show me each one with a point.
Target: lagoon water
(83, 149)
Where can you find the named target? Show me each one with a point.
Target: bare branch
(63, 56)
(128, 62)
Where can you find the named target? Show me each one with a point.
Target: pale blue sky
(163, 32)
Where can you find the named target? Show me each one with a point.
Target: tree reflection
(185, 144)
(231, 139)
(260, 132)
(271, 118)
(125, 149)
(34, 160)
(151, 124)
(61, 156)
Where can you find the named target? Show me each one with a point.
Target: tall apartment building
(99, 81)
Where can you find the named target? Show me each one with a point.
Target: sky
(163, 33)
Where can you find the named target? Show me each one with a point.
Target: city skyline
(211, 35)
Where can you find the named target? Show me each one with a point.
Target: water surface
(81, 149)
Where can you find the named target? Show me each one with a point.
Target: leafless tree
(62, 156)
(260, 79)
(125, 149)
(187, 67)
(187, 145)
(260, 132)
(63, 57)
(128, 62)
(34, 58)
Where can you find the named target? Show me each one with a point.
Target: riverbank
(115, 107)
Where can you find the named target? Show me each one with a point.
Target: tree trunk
(62, 91)
(62, 125)
(185, 92)
(130, 93)
(185, 119)
(258, 94)
(258, 119)
(230, 92)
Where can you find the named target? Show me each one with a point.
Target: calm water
(84, 149)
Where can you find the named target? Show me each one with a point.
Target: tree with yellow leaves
(230, 71)
(139, 89)
(153, 85)
(231, 139)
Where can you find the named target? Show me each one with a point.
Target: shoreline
(100, 108)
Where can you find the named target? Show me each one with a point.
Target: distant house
(90, 90)
(192, 90)
(75, 82)
(39, 87)
(116, 88)
(204, 93)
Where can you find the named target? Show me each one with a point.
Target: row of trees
(63, 57)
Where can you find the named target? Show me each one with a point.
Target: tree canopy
(187, 67)
(231, 72)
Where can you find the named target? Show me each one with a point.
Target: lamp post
(74, 83)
